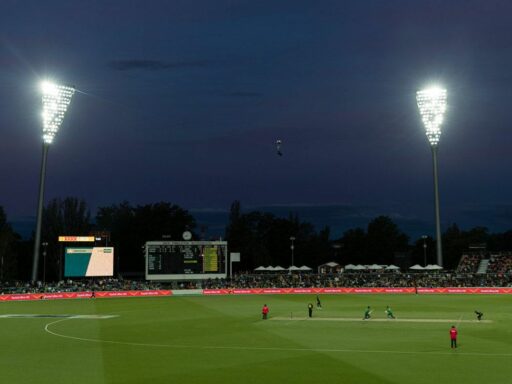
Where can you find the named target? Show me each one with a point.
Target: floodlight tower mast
(56, 99)
(432, 106)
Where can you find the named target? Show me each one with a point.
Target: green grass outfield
(222, 339)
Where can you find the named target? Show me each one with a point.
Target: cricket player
(389, 313)
(318, 303)
(367, 313)
(479, 315)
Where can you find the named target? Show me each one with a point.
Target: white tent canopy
(359, 267)
(305, 268)
(392, 267)
(260, 268)
(349, 266)
(278, 268)
(293, 268)
(374, 267)
(270, 268)
(417, 267)
(433, 267)
(331, 264)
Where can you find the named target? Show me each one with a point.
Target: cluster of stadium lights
(56, 99)
(432, 106)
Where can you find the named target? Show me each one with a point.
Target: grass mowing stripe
(277, 318)
(246, 348)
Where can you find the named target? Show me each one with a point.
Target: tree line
(261, 238)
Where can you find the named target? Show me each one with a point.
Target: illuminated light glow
(56, 99)
(47, 87)
(432, 106)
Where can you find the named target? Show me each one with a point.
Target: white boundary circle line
(50, 316)
(283, 349)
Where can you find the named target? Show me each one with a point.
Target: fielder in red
(264, 312)
(453, 336)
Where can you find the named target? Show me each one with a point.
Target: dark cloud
(501, 213)
(244, 94)
(154, 65)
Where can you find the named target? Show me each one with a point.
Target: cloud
(489, 213)
(154, 65)
(244, 94)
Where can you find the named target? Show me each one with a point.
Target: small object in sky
(278, 147)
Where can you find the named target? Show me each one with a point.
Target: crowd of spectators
(400, 280)
(498, 274)
(106, 284)
(362, 279)
(500, 263)
(469, 263)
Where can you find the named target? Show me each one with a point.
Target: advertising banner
(83, 295)
(466, 291)
(373, 291)
(255, 291)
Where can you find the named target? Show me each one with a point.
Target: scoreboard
(88, 261)
(185, 260)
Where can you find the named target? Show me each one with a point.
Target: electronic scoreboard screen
(88, 261)
(185, 260)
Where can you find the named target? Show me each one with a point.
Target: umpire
(310, 310)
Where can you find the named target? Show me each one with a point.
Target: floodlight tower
(432, 106)
(56, 99)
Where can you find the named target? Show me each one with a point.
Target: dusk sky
(182, 101)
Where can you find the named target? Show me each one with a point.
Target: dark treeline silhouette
(261, 238)
(379, 243)
(131, 226)
(9, 248)
(264, 239)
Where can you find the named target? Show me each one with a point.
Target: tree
(264, 239)
(131, 227)
(318, 249)
(8, 239)
(383, 239)
(418, 251)
(500, 241)
(456, 242)
(354, 246)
